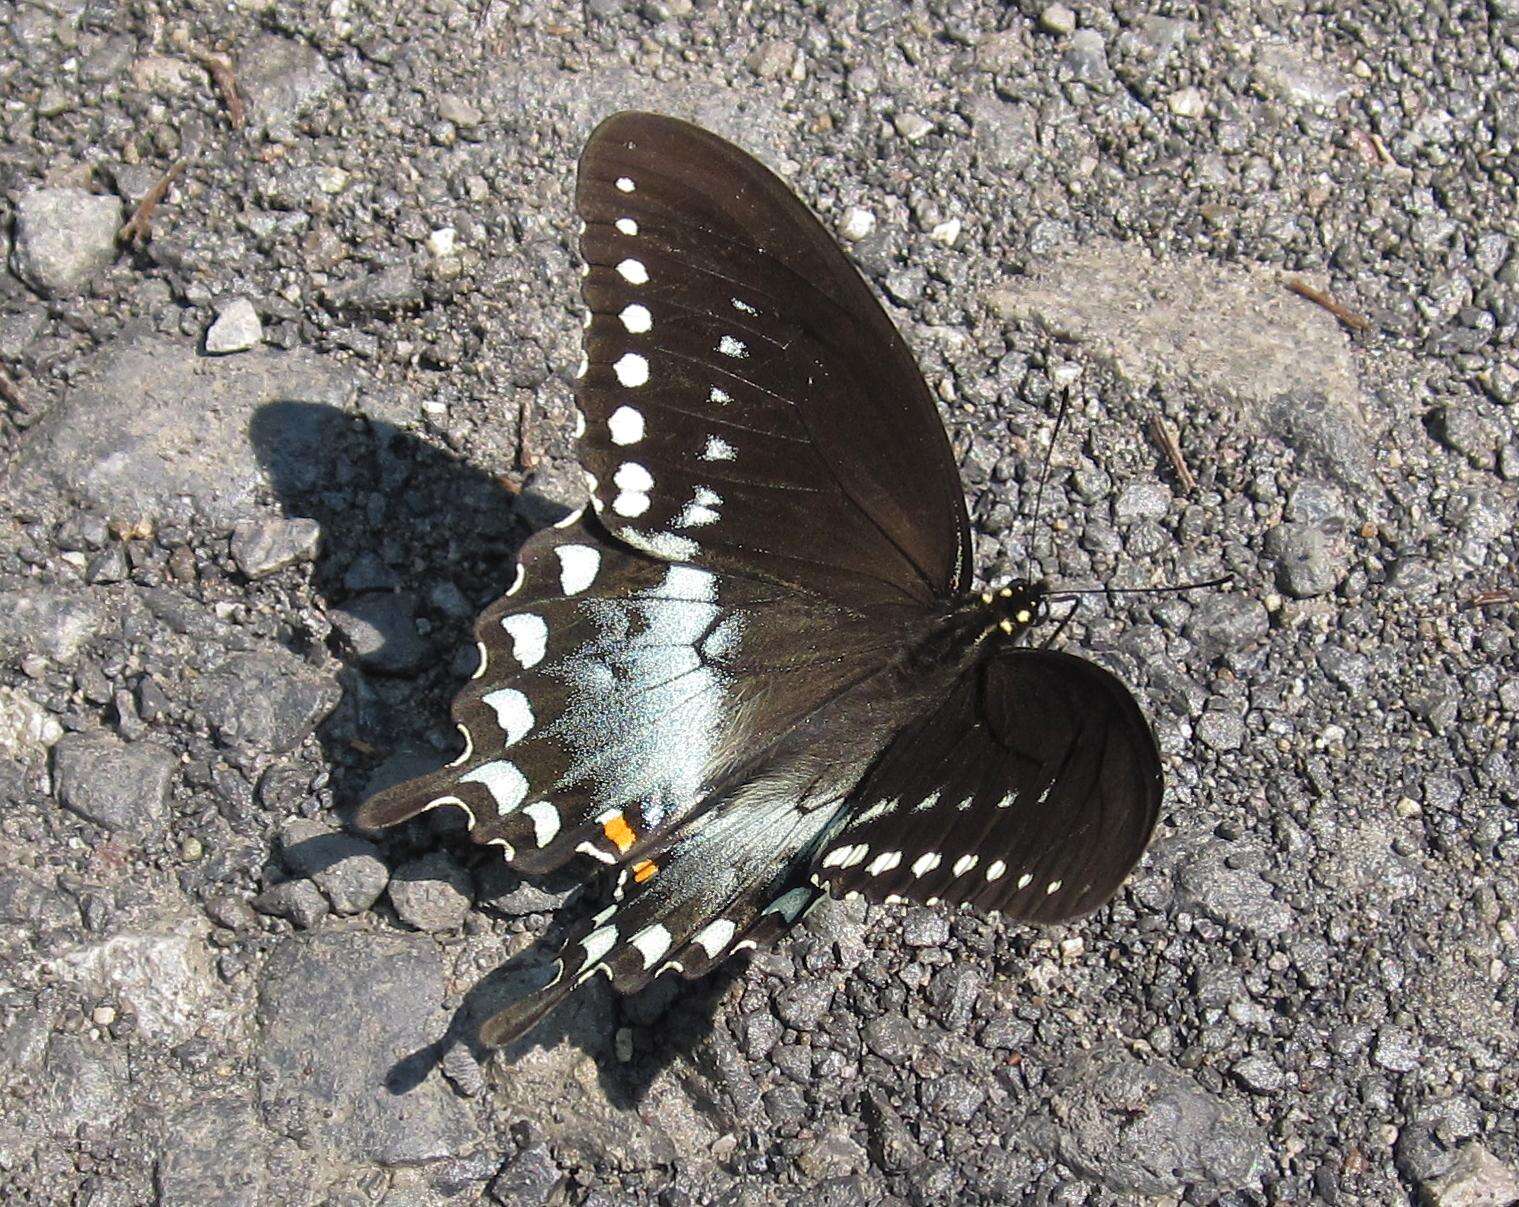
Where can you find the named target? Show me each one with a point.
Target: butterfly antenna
(1172, 589)
(1044, 473)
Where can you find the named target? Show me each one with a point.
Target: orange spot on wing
(643, 870)
(619, 832)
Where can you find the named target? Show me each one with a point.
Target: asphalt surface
(265, 460)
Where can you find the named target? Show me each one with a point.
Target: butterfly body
(756, 670)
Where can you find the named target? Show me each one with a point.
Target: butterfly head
(1017, 606)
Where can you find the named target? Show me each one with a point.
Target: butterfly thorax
(999, 616)
(1013, 609)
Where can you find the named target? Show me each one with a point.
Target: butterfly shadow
(410, 532)
(665, 1023)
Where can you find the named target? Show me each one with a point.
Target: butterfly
(756, 670)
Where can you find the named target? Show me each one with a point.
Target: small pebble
(1187, 102)
(912, 126)
(236, 329)
(946, 233)
(1057, 19)
(857, 224)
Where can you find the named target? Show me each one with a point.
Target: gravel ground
(265, 462)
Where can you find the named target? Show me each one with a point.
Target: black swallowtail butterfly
(758, 672)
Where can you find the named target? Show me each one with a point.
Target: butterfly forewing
(617, 693)
(748, 404)
(1031, 790)
(597, 709)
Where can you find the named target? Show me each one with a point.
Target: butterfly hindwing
(727, 880)
(748, 404)
(1031, 790)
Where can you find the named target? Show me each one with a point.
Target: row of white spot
(851, 855)
(653, 941)
(501, 778)
(626, 424)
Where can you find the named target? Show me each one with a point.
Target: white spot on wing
(661, 544)
(995, 869)
(690, 583)
(652, 942)
(578, 565)
(517, 581)
(744, 306)
(513, 712)
(484, 654)
(626, 226)
(502, 780)
(924, 864)
(595, 852)
(597, 944)
(585, 363)
(718, 449)
(729, 346)
(965, 863)
(625, 425)
(713, 937)
(633, 272)
(1054, 887)
(469, 748)
(632, 476)
(884, 862)
(530, 637)
(701, 510)
(836, 857)
(545, 821)
(631, 369)
(633, 483)
(636, 319)
(1025, 880)
(719, 396)
(856, 855)
(631, 503)
(624, 184)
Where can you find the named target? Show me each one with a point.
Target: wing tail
(729, 879)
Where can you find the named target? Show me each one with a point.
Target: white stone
(857, 224)
(237, 329)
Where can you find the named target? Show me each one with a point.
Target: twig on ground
(138, 226)
(1347, 316)
(1166, 438)
(225, 79)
